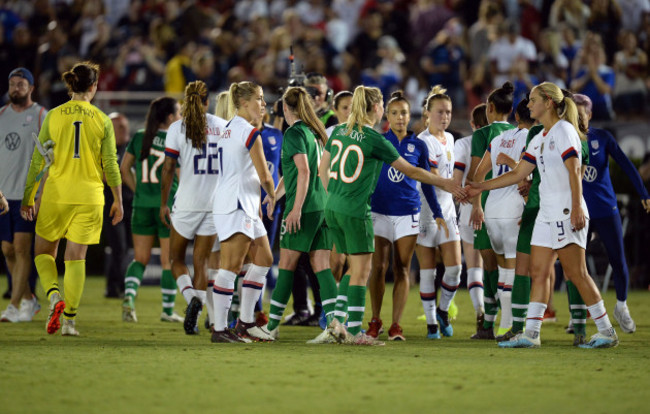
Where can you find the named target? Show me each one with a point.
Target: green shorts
(351, 235)
(481, 239)
(146, 222)
(313, 234)
(526, 229)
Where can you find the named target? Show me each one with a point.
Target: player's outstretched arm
(426, 177)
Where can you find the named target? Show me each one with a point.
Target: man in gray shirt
(19, 119)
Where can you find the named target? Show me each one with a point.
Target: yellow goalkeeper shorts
(79, 223)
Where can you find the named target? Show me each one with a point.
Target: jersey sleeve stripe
(489, 148)
(530, 158)
(251, 138)
(571, 152)
(459, 166)
(434, 164)
(171, 153)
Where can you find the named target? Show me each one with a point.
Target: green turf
(153, 367)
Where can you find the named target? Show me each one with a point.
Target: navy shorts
(12, 222)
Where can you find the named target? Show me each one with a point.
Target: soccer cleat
(28, 309)
(253, 332)
(275, 333)
(521, 340)
(174, 317)
(128, 310)
(192, 315)
(601, 341)
(56, 309)
(375, 327)
(323, 338)
(625, 321)
(227, 336)
(337, 331)
(261, 319)
(10, 314)
(579, 340)
(365, 340)
(483, 333)
(322, 320)
(443, 320)
(68, 328)
(395, 333)
(506, 336)
(296, 319)
(569, 328)
(432, 331)
(549, 315)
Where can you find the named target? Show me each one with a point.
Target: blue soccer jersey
(397, 194)
(597, 185)
(272, 143)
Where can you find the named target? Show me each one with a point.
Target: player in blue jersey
(395, 209)
(601, 202)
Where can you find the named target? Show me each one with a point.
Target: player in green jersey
(145, 154)
(498, 108)
(303, 225)
(350, 166)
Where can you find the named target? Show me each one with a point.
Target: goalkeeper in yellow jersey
(77, 144)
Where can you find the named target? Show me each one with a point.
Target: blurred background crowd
(596, 47)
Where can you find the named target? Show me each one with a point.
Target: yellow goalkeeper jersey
(84, 150)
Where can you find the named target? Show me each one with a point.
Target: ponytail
(563, 104)
(193, 113)
(363, 100)
(157, 114)
(437, 93)
(297, 99)
(224, 108)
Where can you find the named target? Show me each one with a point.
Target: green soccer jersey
(481, 139)
(299, 139)
(355, 163)
(533, 192)
(149, 170)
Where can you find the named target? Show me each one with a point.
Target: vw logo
(591, 173)
(12, 141)
(394, 175)
(271, 166)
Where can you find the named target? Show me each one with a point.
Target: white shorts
(503, 235)
(193, 223)
(558, 234)
(466, 233)
(238, 222)
(394, 228)
(431, 236)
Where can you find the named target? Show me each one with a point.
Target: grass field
(153, 367)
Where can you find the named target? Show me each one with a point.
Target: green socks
(280, 298)
(520, 299)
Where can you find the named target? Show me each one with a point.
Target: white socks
(252, 288)
(224, 285)
(428, 294)
(475, 287)
(184, 283)
(449, 285)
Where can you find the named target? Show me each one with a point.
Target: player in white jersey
(561, 223)
(191, 144)
(242, 169)
(503, 208)
(473, 259)
(441, 157)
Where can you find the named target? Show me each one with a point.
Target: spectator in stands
(592, 77)
(631, 67)
(571, 13)
(178, 66)
(605, 19)
(505, 51)
(571, 44)
(387, 72)
(552, 64)
(632, 12)
(427, 19)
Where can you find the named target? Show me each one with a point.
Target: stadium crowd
(598, 48)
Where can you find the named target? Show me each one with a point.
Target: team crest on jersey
(272, 140)
(448, 155)
(552, 145)
(29, 118)
(410, 147)
(595, 144)
(541, 149)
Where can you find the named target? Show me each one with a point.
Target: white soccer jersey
(549, 151)
(239, 184)
(198, 167)
(441, 156)
(505, 202)
(463, 160)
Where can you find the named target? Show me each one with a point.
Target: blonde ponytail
(363, 101)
